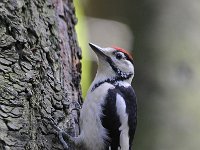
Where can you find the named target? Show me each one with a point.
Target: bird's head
(114, 62)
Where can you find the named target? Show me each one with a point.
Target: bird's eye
(119, 56)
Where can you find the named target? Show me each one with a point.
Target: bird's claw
(60, 132)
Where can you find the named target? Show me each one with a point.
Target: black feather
(110, 119)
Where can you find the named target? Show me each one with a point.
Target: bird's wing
(119, 116)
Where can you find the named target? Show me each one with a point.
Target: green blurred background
(164, 37)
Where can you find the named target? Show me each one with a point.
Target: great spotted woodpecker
(108, 116)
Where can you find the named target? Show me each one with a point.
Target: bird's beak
(98, 50)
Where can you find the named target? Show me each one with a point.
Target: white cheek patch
(123, 117)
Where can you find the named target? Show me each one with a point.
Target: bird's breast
(90, 118)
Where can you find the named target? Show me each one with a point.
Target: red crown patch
(123, 51)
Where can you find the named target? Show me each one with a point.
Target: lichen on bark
(39, 72)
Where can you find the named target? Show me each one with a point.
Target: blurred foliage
(167, 80)
(81, 29)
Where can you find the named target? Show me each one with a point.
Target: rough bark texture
(39, 72)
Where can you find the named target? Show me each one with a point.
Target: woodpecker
(108, 116)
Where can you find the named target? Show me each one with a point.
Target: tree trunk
(39, 73)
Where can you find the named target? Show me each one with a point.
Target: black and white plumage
(109, 114)
(120, 126)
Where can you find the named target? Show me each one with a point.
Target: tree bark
(39, 73)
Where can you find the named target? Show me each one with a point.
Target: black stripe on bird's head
(118, 59)
(106, 52)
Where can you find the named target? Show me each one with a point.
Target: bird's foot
(63, 136)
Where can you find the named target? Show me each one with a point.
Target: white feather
(121, 110)
(92, 132)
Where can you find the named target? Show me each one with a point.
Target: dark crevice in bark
(38, 73)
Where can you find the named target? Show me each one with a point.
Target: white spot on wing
(121, 111)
